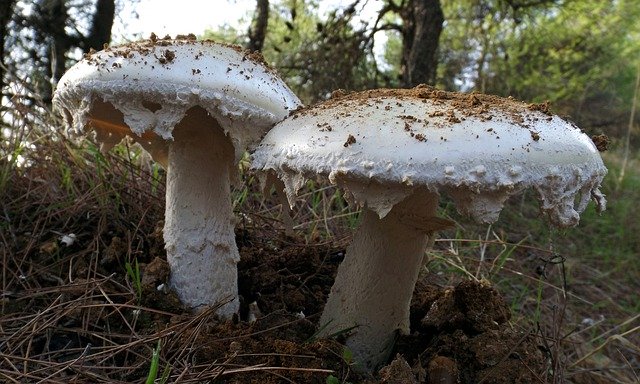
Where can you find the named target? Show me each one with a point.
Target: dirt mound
(458, 334)
(461, 335)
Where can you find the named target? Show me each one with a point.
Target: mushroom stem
(198, 230)
(373, 288)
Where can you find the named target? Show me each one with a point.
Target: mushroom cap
(154, 82)
(382, 145)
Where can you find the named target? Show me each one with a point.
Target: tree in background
(580, 55)
(321, 54)
(39, 37)
(6, 11)
(422, 22)
(258, 29)
(315, 55)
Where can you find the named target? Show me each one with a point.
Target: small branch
(387, 27)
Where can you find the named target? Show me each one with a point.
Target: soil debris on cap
(144, 47)
(350, 140)
(473, 100)
(542, 107)
(462, 105)
(420, 137)
(189, 36)
(601, 142)
(338, 93)
(535, 136)
(256, 57)
(167, 56)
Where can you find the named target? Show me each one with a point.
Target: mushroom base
(199, 229)
(372, 292)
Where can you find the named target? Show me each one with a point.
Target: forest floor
(515, 302)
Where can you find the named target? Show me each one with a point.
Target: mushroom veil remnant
(195, 106)
(394, 152)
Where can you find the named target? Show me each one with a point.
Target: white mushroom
(394, 152)
(195, 106)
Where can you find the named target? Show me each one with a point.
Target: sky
(191, 16)
(177, 17)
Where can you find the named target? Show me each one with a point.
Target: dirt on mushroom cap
(145, 47)
(473, 104)
(478, 149)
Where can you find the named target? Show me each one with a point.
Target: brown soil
(465, 326)
(458, 334)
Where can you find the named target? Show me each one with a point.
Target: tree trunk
(421, 27)
(258, 30)
(6, 11)
(100, 33)
(54, 14)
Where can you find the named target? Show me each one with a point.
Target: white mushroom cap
(193, 106)
(154, 82)
(479, 149)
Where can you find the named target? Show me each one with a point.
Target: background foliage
(582, 56)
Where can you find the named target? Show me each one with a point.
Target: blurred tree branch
(258, 29)
(42, 34)
(6, 10)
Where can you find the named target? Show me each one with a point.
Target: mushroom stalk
(198, 231)
(159, 89)
(373, 288)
